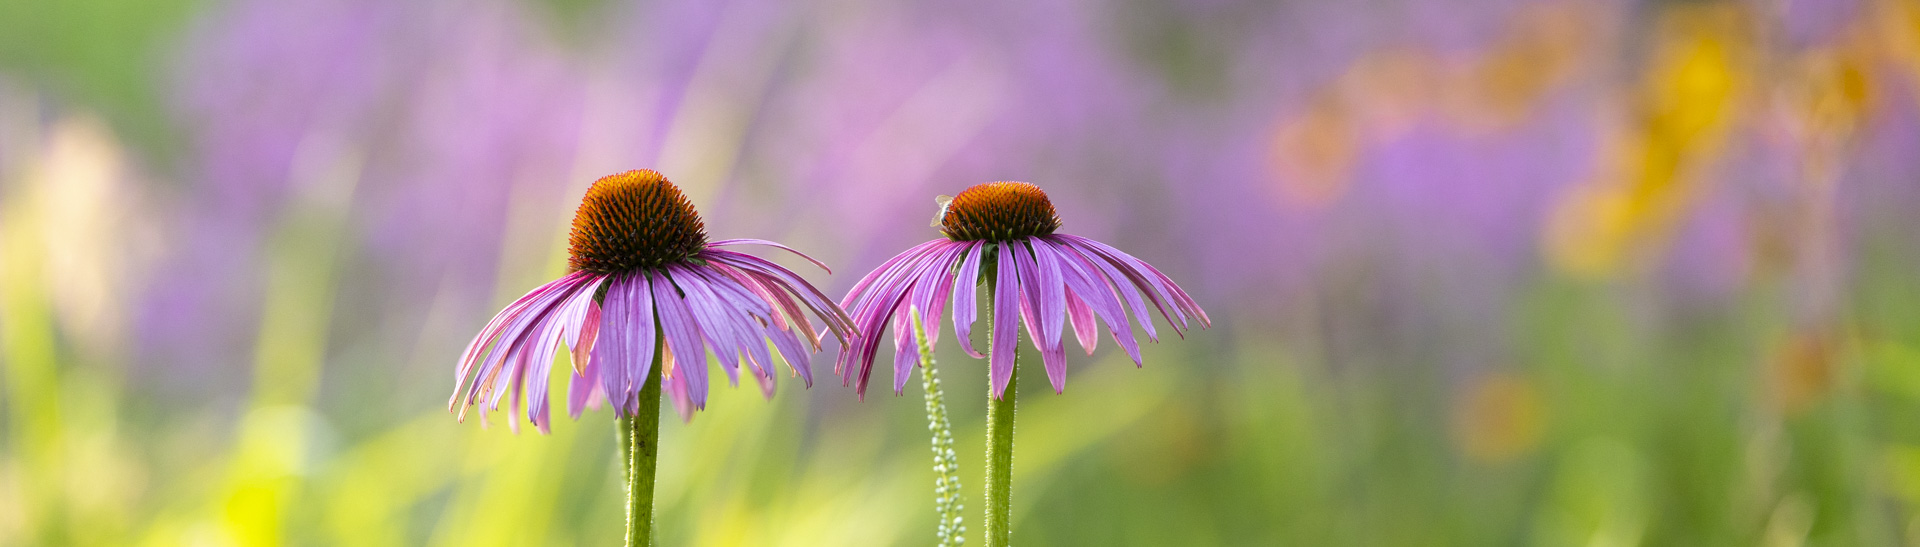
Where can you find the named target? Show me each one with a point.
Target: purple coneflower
(647, 298)
(1002, 234)
(1053, 279)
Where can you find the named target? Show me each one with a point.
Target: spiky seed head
(998, 211)
(632, 221)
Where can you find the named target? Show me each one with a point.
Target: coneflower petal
(1080, 317)
(577, 317)
(738, 314)
(530, 366)
(1117, 282)
(623, 353)
(788, 314)
(933, 289)
(491, 335)
(966, 283)
(677, 390)
(1086, 283)
(898, 274)
(790, 349)
(586, 334)
(749, 312)
(1174, 292)
(1149, 277)
(1029, 297)
(710, 316)
(837, 320)
(495, 371)
(928, 294)
(886, 270)
(906, 353)
(583, 390)
(549, 334)
(1050, 296)
(642, 338)
(763, 378)
(1006, 302)
(867, 344)
(683, 340)
(753, 287)
(871, 318)
(745, 241)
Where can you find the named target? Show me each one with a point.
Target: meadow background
(1483, 272)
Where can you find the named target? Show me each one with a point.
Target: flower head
(999, 211)
(633, 220)
(1003, 233)
(645, 277)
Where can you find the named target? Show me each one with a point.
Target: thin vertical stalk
(640, 451)
(1000, 437)
(951, 531)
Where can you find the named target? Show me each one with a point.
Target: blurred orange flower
(1500, 418)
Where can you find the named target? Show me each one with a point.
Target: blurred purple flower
(447, 109)
(884, 101)
(1811, 21)
(1048, 278)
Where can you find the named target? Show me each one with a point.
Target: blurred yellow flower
(1897, 26)
(1621, 218)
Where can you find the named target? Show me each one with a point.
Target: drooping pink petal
(676, 388)
(837, 320)
(757, 289)
(791, 350)
(906, 353)
(872, 317)
(491, 332)
(589, 331)
(747, 311)
(1006, 319)
(763, 377)
(1116, 281)
(1085, 282)
(1048, 293)
(780, 329)
(548, 334)
(725, 242)
(929, 284)
(683, 338)
(886, 270)
(498, 364)
(478, 364)
(1081, 318)
(857, 365)
(788, 325)
(582, 388)
(933, 289)
(711, 318)
(623, 353)
(1144, 274)
(965, 306)
(770, 288)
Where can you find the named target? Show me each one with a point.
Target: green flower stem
(1000, 442)
(946, 467)
(640, 452)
